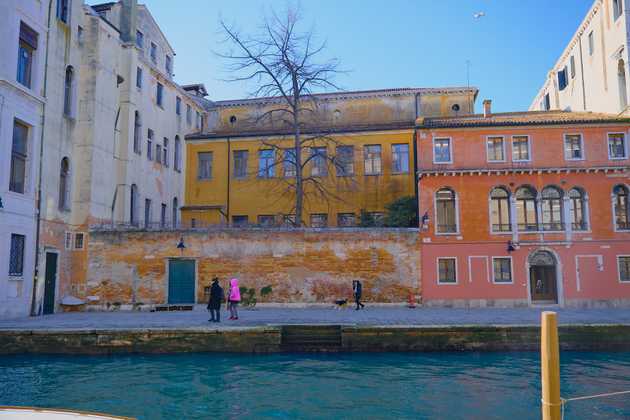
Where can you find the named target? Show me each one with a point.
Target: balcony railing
(502, 227)
(447, 228)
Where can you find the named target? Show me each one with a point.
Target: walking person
(357, 288)
(214, 303)
(234, 297)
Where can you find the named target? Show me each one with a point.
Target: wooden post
(550, 366)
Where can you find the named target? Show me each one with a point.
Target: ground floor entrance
(543, 280)
(181, 281)
(50, 282)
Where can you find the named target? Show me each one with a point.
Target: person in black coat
(357, 288)
(214, 303)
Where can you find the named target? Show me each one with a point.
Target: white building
(592, 72)
(23, 28)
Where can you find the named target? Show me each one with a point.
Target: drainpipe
(414, 149)
(582, 74)
(39, 175)
(228, 182)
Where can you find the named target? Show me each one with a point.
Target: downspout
(39, 175)
(582, 74)
(228, 182)
(414, 149)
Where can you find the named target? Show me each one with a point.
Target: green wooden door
(181, 281)
(50, 281)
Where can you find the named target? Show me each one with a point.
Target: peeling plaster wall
(301, 266)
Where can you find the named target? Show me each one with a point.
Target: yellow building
(358, 147)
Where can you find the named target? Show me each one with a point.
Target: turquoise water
(385, 385)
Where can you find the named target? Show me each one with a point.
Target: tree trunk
(299, 185)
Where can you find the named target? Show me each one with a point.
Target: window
(165, 152)
(552, 209)
(500, 210)
(577, 204)
(153, 52)
(139, 77)
(188, 115)
(79, 35)
(623, 263)
(139, 40)
(526, 213)
(495, 150)
(617, 8)
(289, 221)
(502, 268)
(150, 144)
(591, 43)
(64, 185)
(16, 255)
(374, 218)
(198, 120)
(372, 159)
(19, 154)
(133, 205)
(520, 148)
(572, 65)
(26, 52)
(266, 220)
(159, 94)
(137, 129)
(168, 65)
(620, 207)
(400, 158)
(621, 82)
(78, 241)
(68, 241)
(240, 163)
(344, 161)
(178, 105)
(346, 220)
(562, 79)
(158, 153)
(319, 161)
(617, 146)
(193, 223)
(265, 163)
(174, 210)
(240, 221)
(547, 103)
(67, 91)
(442, 151)
(163, 216)
(62, 10)
(177, 162)
(204, 166)
(573, 149)
(445, 207)
(447, 270)
(147, 213)
(319, 220)
(289, 163)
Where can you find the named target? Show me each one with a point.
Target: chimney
(487, 108)
(128, 20)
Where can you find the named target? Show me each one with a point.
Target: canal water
(361, 386)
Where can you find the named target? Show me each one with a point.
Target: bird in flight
(479, 15)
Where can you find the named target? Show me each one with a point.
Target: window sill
(16, 278)
(521, 161)
(372, 174)
(443, 163)
(441, 283)
(447, 233)
(204, 179)
(503, 283)
(618, 158)
(400, 173)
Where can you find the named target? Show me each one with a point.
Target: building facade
(523, 209)
(357, 148)
(23, 29)
(592, 71)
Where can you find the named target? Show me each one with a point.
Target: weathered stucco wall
(302, 266)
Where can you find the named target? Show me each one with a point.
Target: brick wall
(302, 266)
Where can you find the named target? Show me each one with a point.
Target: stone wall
(302, 266)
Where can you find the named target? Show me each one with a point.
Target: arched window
(137, 132)
(64, 184)
(620, 205)
(552, 209)
(165, 152)
(577, 201)
(623, 90)
(526, 213)
(446, 211)
(133, 205)
(500, 210)
(177, 162)
(175, 210)
(67, 93)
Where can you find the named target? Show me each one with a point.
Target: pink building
(524, 208)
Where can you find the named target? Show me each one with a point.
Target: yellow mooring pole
(550, 366)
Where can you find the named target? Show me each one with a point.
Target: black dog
(341, 303)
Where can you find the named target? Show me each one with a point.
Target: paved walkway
(274, 316)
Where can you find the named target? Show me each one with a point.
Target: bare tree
(283, 63)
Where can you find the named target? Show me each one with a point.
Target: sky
(390, 44)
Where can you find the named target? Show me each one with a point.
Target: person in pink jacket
(234, 297)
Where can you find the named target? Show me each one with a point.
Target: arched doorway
(543, 277)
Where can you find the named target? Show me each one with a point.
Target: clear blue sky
(393, 43)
